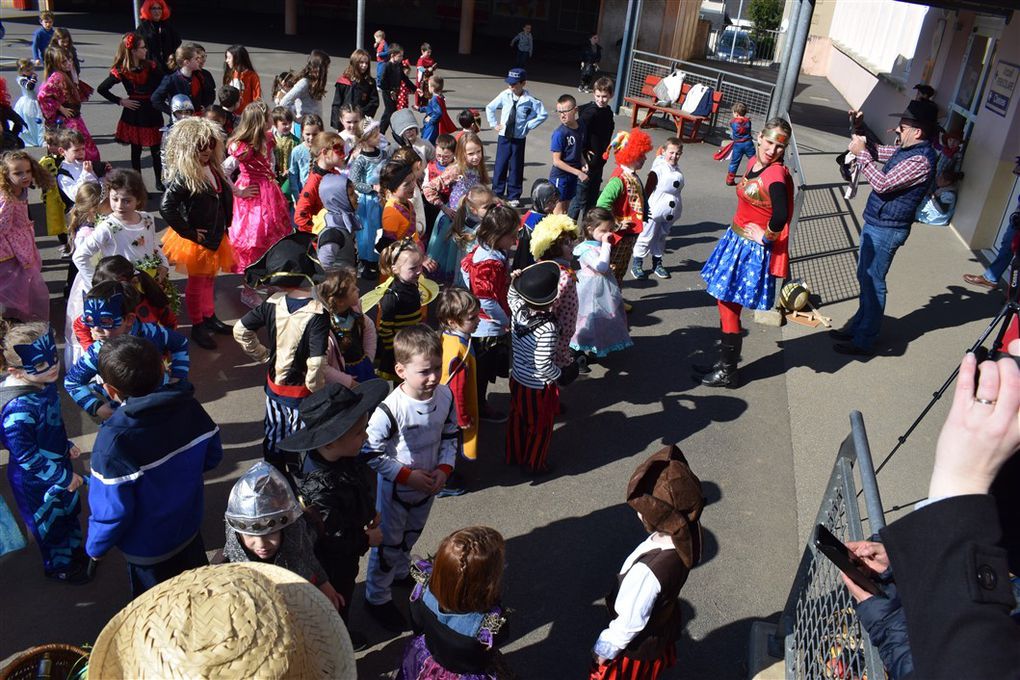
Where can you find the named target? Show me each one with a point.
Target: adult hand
(374, 536)
(870, 554)
(859, 594)
(755, 232)
(857, 144)
(104, 412)
(422, 481)
(982, 430)
(131, 104)
(74, 452)
(250, 191)
(497, 127)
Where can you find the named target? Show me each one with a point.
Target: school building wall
(877, 77)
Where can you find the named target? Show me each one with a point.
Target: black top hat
(925, 90)
(925, 113)
(330, 412)
(538, 284)
(288, 262)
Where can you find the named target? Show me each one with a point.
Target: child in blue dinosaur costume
(44, 483)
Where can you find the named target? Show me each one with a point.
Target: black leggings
(157, 161)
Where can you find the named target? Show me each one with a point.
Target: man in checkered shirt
(900, 176)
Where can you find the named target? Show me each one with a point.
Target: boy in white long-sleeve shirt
(74, 171)
(413, 441)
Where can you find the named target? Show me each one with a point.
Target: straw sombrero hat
(244, 620)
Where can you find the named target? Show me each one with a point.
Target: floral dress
(137, 242)
(60, 90)
(262, 220)
(601, 321)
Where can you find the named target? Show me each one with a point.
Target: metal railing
(746, 46)
(755, 93)
(819, 634)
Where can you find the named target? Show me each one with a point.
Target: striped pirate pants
(530, 426)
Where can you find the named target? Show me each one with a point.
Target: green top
(610, 193)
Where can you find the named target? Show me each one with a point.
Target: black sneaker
(76, 574)
(840, 335)
(388, 616)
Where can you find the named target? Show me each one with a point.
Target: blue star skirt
(738, 271)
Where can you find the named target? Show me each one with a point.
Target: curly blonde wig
(183, 142)
(549, 230)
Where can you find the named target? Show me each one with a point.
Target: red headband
(130, 40)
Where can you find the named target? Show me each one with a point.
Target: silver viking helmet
(261, 502)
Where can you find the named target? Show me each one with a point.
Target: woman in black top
(160, 37)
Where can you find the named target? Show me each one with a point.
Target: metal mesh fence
(823, 638)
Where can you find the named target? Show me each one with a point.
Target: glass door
(970, 88)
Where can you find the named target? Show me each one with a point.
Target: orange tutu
(197, 260)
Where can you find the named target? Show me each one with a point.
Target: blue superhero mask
(106, 314)
(38, 356)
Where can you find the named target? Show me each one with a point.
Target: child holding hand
(413, 443)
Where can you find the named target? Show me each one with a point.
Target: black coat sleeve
(780, 206)
(161, 95)
(954, 583)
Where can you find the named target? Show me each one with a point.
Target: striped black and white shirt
(534, 337)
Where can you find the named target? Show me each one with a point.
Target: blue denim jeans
(1002, 258)
(878, 247)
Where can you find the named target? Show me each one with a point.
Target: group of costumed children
(521, 313)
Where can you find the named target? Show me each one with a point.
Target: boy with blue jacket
(520, 113)
(146, 494)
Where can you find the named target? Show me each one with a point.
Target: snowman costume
(664, 208)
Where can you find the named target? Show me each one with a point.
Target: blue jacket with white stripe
(146, 493)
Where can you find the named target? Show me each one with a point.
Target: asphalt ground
(763, 451)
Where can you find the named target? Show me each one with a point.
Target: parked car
(735, 45)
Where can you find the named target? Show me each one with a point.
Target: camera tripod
(999, 325)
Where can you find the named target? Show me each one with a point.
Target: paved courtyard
(763, 451)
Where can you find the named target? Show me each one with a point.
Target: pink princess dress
(23, 293)
(60, 90)
(262, 220)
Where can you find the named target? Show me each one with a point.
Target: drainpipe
(626, 47)
(797, 54)
(777, 93)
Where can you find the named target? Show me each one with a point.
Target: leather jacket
(186, 212)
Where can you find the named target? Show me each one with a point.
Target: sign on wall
(1000, 87)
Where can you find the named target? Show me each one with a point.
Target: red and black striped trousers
(530, 426)
(623, 668)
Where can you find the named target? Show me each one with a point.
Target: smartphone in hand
(839, 554)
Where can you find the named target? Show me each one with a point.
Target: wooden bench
(647, 100)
